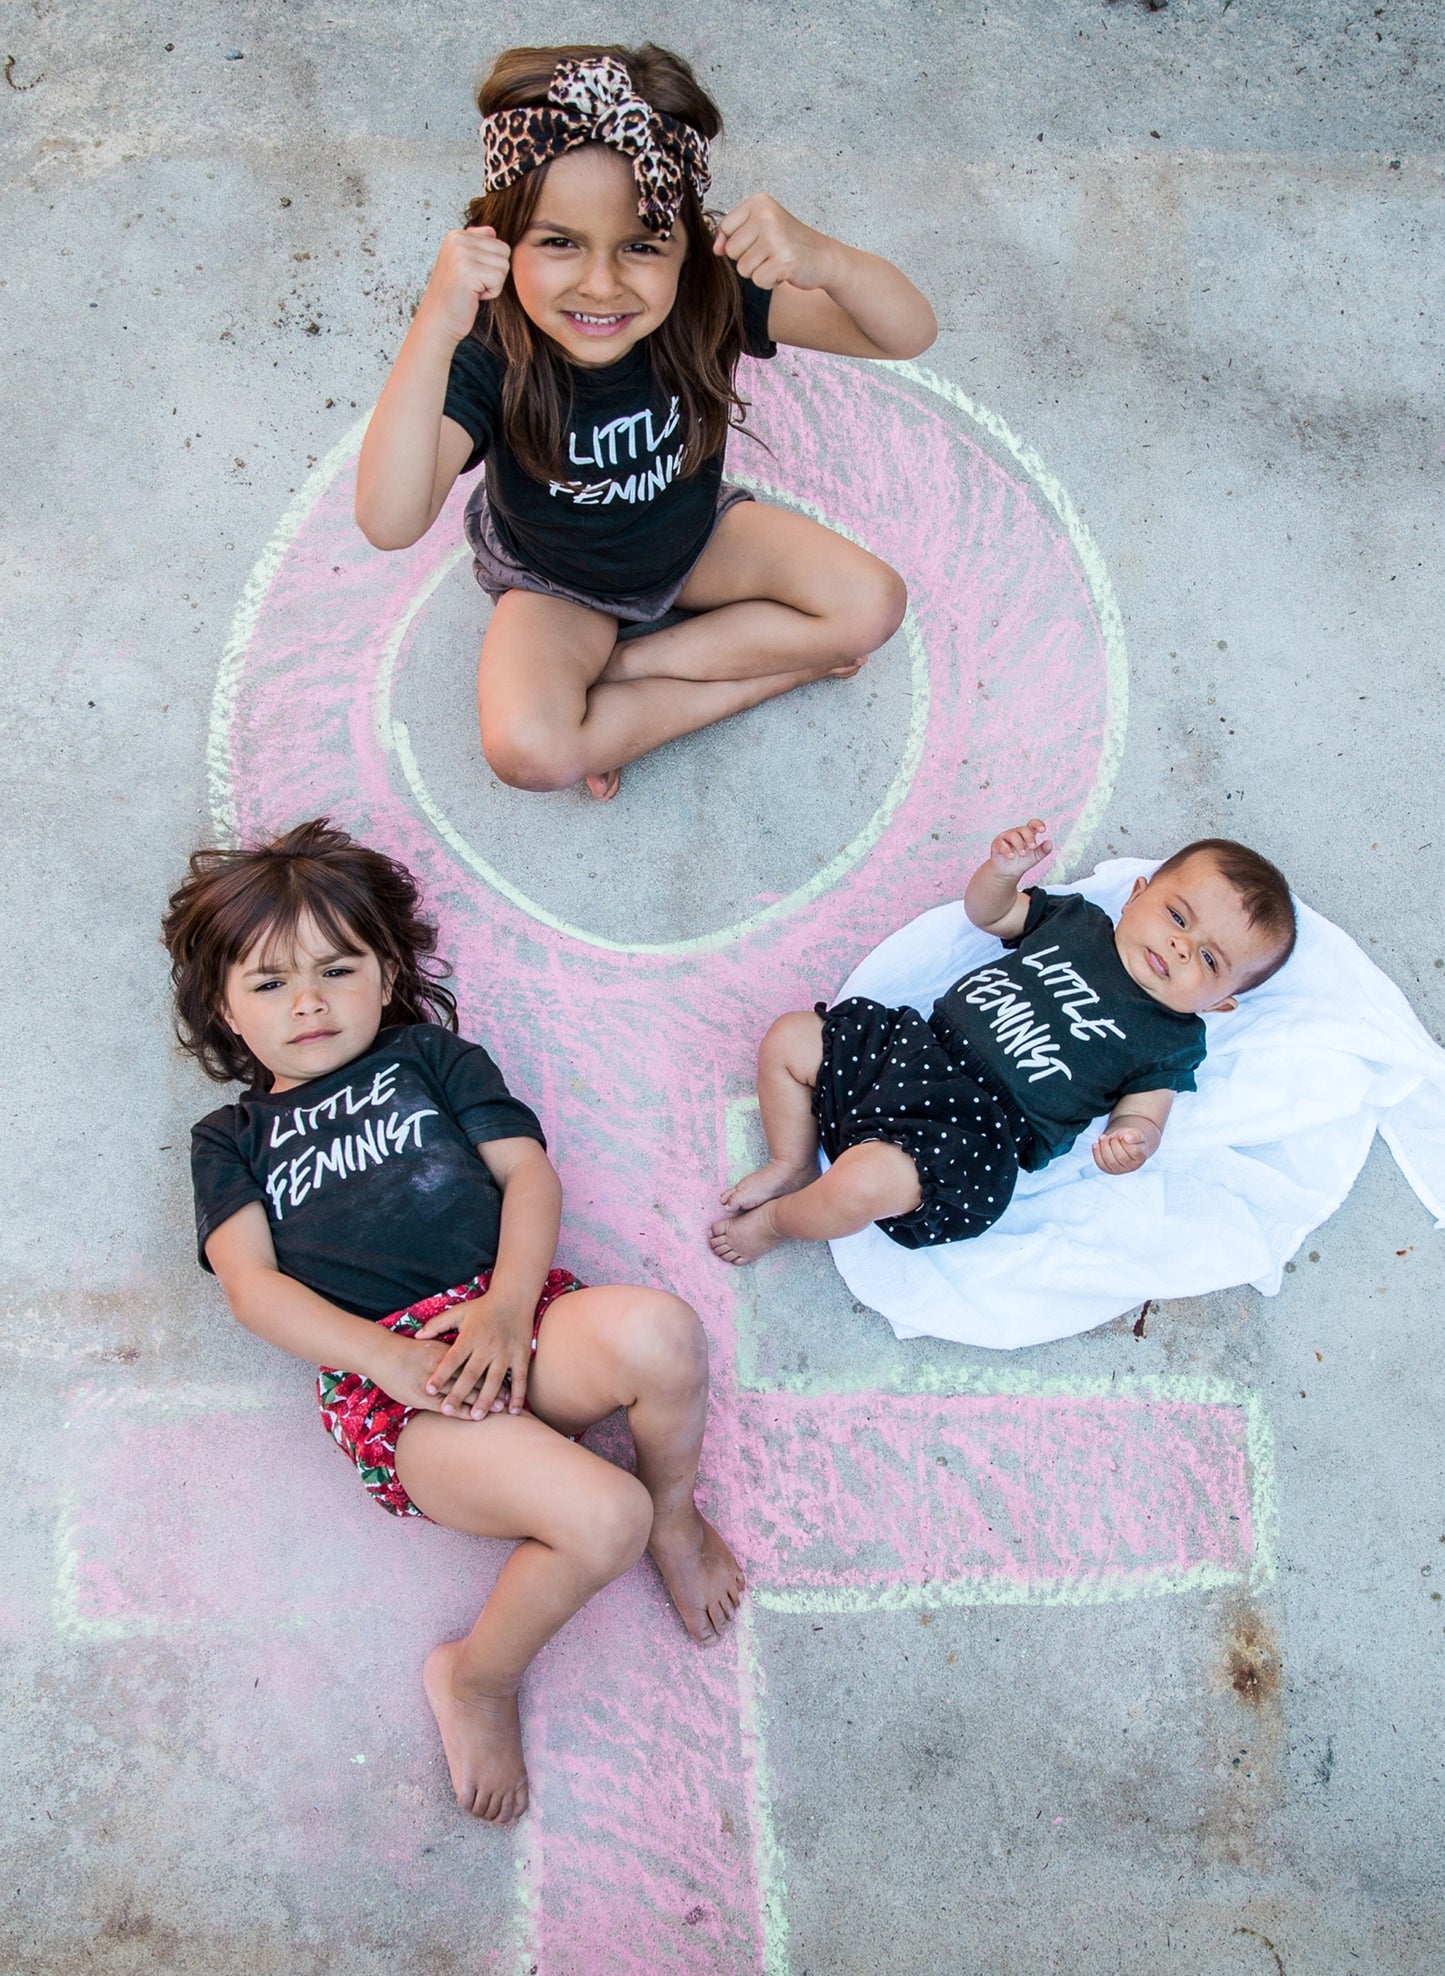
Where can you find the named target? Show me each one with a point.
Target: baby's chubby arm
(826, 296)
(1132, 1135)
(285, 1313)
(993, 900)
(412, 452)
(494, 1331)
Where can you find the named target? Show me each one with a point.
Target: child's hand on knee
(1014, 852)
(492, 1342)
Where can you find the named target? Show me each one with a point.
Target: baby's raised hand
(1013, 852)
(770, 246)
(1124, 1148)
(471, 268)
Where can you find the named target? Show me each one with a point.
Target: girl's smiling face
(587, 271)
(309, 1008)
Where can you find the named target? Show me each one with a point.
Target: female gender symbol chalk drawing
(631, 1049)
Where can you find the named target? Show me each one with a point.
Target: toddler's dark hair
(1263, 891)
(232, 899)
(694, 352)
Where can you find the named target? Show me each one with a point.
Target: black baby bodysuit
(1063, 1027)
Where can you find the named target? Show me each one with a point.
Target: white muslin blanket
(1297, 1081)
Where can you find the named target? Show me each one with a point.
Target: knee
(529, 755)
(619, 1523)
(789, 1030)
(866, 606)
(663, 1346)
(794, 1041)
(882, 605)
(877, 1179)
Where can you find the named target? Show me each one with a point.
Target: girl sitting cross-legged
(581, 335)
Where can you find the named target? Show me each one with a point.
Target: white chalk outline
(395, 733)
(769, 1870)
(1101, 590)
(170, 1403)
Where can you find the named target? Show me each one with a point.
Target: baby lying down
(927, 1124)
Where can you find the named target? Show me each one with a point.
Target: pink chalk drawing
(651, 1845)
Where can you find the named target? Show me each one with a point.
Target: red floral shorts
(365, 1423)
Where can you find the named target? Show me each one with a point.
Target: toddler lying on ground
(927, 1124)
(376, 1201)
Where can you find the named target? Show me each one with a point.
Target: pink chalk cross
(651, 1846)
(651, 1757)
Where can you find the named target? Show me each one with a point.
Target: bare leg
(782, 601)
(583, 1522)
(548, 723)
(865, 1183)
(788, 1066)
(776, 593)
(644, 1350)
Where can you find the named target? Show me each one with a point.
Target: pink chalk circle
(1016, 667)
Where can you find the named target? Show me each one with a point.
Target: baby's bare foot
(777, 1177)
(703, 1578)
(745, 1237)
(482, 1736)
(849, 669)
(605, 786)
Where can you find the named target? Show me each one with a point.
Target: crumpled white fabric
(1297, 1081)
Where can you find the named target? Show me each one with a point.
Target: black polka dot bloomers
(889, 1074)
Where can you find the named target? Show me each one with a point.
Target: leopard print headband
(593, 102)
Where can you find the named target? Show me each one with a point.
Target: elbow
(383, 532)
(924, 334)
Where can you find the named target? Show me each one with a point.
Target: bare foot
(850, 668)
(482, 1736)
(703, 1578)
(777, 1177)
(745, 1237)
(604, 787)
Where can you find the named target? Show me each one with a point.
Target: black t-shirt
(628, 522)
(1063, 1027)
(370, 1176)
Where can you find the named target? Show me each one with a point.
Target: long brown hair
(232, 899)
(694, 351)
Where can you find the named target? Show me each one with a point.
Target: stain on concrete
(1251, 1660)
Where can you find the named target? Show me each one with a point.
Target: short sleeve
(221, 1180)
(756, 304)
(475, 1090)
(1042, 905)
(473, 400)
(1174, 1073)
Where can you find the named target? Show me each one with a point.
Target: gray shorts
(497, 572)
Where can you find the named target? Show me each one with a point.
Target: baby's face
(309, 1010)
(1186, 940)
